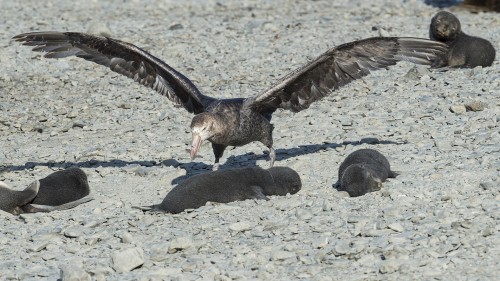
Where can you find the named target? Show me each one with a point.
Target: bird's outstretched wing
(121, 57)
(341, 65)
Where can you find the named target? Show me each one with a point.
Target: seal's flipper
(146, 208)
(33, 208)
(337, 185)
(257, 193)
(393, 174)
(29, 193)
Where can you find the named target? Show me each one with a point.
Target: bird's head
(203, 127)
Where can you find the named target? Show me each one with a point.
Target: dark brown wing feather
(341, 65)
(121, 57)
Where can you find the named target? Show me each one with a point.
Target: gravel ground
(441, 131)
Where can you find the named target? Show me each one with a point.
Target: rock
(241, 226)
(127, 238)
(475, 106)
(127, 260)
(176, 26)
(73, 232)
(383, 33)
(282, 255)
(99, 28)
(304, 214)
(396, 227)
(341, 248)
(458, 109)
(416, 73)
(74, 273)
(389, 266)
(179, 244)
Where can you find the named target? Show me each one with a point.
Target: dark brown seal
(230, 185)
(60, 190)
(464, 50)
(363, 171)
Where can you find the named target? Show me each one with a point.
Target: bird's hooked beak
(195, 146)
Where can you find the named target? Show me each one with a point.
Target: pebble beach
(437, 220)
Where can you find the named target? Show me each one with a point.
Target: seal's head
(444, 27)
(286, 180)
(357, 180)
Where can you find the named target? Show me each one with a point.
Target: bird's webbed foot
(215, 167)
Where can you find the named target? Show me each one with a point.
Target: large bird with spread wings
(239, 121)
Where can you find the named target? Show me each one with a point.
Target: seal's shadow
(193, 168)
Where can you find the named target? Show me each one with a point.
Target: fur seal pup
(11, 200)
(363, 171)
(229, 185)
(60, 190)
(464, 50)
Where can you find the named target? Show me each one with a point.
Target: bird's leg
(272, 156)
(218, 152)
(215, 167)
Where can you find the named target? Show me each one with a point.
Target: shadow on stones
(194, 168)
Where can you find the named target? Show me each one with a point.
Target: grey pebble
(128, 259)
(475, 106)
(74, 273)
(458, 109)
(389, 266)
(282, 255)
(241, 226)
(179, 244)
(73, 232)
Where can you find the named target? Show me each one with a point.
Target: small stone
(282, 255)
(396, 227)
(341, 248)
(73, 232)
(488, 185)
(99, 28)
(458, 109)
(176, 26)
(125, 105)
(320, 243)
(475, 106)
(179, 244)
(74, 273)
(38, 246)
(383, 33)
(241, 226)
(127, 238)
(389, 266)
(303, 214)
(416, 73)
(127, 260)
(488, 231)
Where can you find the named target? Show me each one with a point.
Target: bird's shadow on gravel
(194, 168)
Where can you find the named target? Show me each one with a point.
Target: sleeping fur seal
(464, 50)
(363, 171)
(230, 185)
(60, 190)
